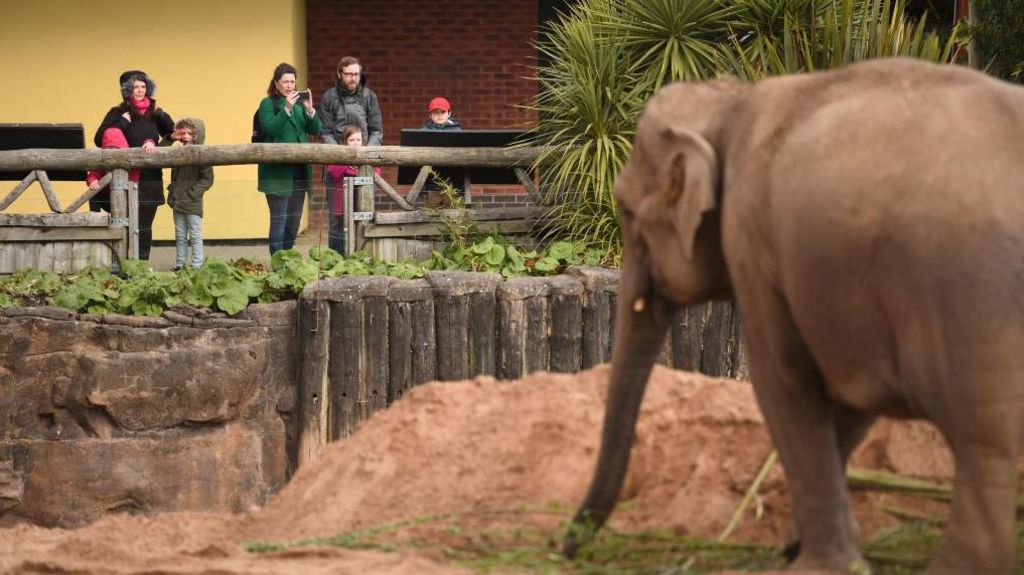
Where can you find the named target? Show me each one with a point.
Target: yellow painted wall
(209, 58)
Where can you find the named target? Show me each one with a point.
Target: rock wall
(107, 414)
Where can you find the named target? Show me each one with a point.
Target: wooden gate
(61, 240)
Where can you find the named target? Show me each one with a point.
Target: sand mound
(481, 449)
(485, 445)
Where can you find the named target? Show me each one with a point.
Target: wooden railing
(119, 161)
(237, 154)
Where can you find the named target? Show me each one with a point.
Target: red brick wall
(477, 54)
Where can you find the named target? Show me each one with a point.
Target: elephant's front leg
(801, 420)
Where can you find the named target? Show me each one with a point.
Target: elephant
(869, 223)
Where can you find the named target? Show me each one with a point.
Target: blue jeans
(335, 222)
(336, 233)
(188, 231)
(285, 214)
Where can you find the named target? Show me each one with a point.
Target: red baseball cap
(439, 103)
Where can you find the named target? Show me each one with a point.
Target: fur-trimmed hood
(127, 78)
(197, 126)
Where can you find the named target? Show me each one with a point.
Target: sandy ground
(496, 453)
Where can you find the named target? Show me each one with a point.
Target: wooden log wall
(366, 341)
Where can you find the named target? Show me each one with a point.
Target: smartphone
(303, 95)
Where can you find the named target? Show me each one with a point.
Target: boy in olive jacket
(185, 195)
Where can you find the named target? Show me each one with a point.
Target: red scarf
(141, 106)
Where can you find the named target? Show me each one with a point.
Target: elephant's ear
(688, 182)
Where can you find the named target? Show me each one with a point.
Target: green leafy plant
(451, 216)
(999, 40)
(230, 287)
(27, 285)
(495, 254)
(223, 286)
(92, 291)
(290, 272)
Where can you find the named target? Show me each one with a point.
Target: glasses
(350, 74)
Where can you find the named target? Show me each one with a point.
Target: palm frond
(607, 57)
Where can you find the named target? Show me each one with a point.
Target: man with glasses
(350, 101)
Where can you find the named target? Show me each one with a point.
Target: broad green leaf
(483, 247)
(233, 301)
(70, 298)
(563, 250)
(135, 268)
(98, 308)
(198, 297)
(496, 255)
(268, 297)
(546, 264)
(141, 307)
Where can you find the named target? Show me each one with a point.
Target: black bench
(56, 136)
(460, 177)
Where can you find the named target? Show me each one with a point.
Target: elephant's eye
(626, 213)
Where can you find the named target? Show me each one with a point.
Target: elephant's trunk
(641, 323)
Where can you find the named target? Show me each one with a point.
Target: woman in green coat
(286, 185)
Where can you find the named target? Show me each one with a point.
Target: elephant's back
(886, 212)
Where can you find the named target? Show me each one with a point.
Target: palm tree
(607, 57)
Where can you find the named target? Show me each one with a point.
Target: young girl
(113, 138)
(351, 135)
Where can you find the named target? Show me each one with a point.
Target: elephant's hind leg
(981, 536)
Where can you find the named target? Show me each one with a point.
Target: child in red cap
(113, 138)
(441, 116)
(440, 111)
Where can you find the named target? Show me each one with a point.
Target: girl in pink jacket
(352, 135)
(113, 138)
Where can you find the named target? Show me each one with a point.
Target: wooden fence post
(688, 338)
(314, 337)
(364, 203)
(523, 320)
(721, 340)
(413, 344)
(566, 309)
(120, 216)
(706, 339)
(464, 312)
(600, 287)
(358, 371)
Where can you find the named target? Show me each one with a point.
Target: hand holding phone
(304, 96)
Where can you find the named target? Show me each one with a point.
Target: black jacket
(156, 125)
(339, 108)
(449, 124)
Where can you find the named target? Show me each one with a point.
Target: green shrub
(231, 286)
(607, 57)
(998, 32)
